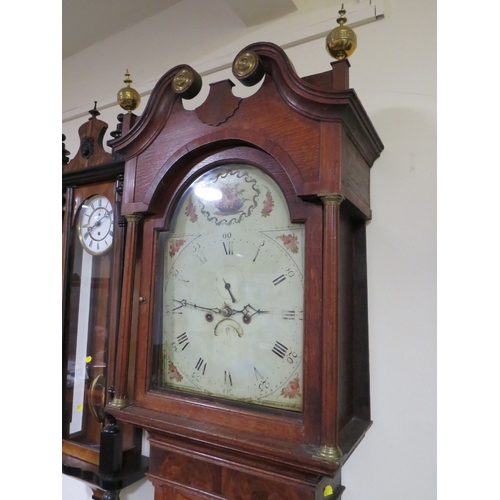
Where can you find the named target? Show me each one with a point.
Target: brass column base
(119, 403)
(329, 454)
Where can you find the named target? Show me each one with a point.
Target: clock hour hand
(98, 222)
(247, 313)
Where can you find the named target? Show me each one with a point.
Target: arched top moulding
(306, 111)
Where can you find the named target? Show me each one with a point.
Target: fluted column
(330, 342)
(121, 398)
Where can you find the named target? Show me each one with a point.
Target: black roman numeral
(201, 257)
(258, 375)
(228, 247)
(183, 339)
(201, 365)
(289, 314)
(279, 280)
(279, 349)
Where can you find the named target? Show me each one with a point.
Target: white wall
(394, 73)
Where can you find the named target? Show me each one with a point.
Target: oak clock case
(245, 264)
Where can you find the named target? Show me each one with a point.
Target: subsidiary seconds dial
(96, 224)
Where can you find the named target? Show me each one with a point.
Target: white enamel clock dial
(233, 291)
(95, 225)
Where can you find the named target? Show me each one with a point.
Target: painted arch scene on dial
(233, 291)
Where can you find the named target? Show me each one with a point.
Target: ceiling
(91, 21)
(87, 22)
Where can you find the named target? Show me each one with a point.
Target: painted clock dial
(233, 291)
(95, 225)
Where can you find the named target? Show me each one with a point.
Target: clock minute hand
(98, 222)
(185, 303)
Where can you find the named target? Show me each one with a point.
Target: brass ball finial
(341, 42)
(128, 98)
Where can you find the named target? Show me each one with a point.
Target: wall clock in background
(92, 268)
(96, 225)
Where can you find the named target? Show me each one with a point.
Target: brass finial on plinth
(128, 98)
(341, 42)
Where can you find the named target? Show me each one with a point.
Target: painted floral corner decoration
(268, 205)
(173, 372)
(175, 246)
(292, 389)
(232, 200)
(191, 210)
(290, 242)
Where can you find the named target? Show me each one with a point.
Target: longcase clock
(96, 448)
(243, 322)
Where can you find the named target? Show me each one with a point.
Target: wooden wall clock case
(306, 145)
(96, 449)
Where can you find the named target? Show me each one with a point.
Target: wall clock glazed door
(89, 320)
(95, 447)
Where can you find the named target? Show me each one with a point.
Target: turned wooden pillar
(121, 399)
(330, 373)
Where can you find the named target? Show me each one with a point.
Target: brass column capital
(133, 217)
(329, 199)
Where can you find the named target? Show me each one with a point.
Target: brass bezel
(79, 225)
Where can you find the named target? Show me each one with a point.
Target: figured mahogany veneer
(313, 137)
